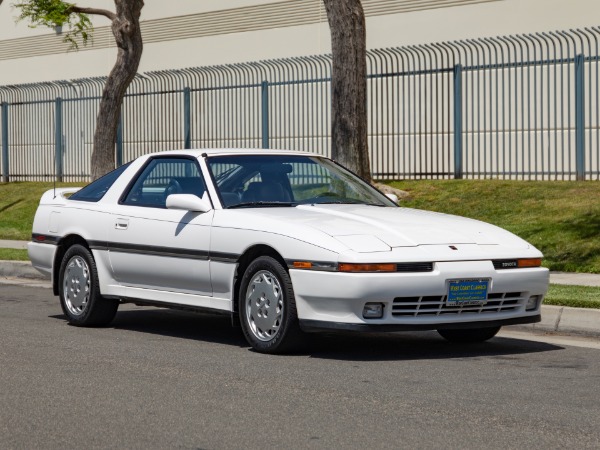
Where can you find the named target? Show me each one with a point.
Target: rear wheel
(469, 334)
(79, 290)
(268, 308)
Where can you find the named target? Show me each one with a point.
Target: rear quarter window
(94, 191)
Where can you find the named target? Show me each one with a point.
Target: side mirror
(393, 197)
(188, 202)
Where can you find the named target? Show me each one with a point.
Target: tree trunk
(349, 85)
(128, 37)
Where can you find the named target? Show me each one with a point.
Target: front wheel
(79, 290)
(469, 335)
(267, 307)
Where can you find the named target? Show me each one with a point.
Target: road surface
(167, 379)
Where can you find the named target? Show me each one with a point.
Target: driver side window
(162, 177)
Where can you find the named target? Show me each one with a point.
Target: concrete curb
(565, 320)
(20, 269)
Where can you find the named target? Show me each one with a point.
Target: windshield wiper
(260, 204)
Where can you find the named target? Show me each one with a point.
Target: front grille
(415, 267)
(436, 305)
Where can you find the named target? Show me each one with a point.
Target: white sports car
(285, 242)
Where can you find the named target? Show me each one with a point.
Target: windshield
(281, 180)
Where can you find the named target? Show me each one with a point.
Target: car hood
(365, 228)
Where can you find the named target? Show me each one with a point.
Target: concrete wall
(188, 33)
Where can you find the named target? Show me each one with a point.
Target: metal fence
(518, 107)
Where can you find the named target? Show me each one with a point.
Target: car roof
(197, 153)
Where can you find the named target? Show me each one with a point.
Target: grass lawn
(18, 202)
(560, 218)
(11, 254)
(574, 296)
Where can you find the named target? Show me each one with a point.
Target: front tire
(469, 335)
(267, 307)
(79, 290)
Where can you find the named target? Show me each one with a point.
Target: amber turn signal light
(530, 262)
(347, 267)
(302, 265)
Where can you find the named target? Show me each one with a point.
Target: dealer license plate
(467, 292)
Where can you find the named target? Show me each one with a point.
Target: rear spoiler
(57, 196)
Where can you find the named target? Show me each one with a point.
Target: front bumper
(333, 300)
(311, 326)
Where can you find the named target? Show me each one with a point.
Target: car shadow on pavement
(181, 324)
(178, 324)
(422, 345)
(401, 346)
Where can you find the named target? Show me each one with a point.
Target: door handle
(121, 224)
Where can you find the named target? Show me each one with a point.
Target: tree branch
(95, 11)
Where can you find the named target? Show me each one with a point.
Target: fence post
(5, 175)
(187, 120)
(265, 114)
(458, 169)
(579, 118)
(58, 141)
(120, 142)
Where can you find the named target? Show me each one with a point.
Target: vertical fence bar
(187, 121)
(579, 118)
(120, 141)
(5, 174)
(265, 114)
(458, 169)
(58, 141)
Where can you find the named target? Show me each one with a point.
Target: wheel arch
(249, 255)
(64, 245)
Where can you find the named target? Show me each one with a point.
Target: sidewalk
(555, 319)
(578, 279)
(13, 244)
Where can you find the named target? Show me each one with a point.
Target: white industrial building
(190, 33)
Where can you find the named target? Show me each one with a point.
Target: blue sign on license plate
(467, 292)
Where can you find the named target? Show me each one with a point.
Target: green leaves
(57, 13)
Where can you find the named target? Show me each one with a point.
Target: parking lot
(167, 379)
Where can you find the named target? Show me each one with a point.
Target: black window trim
(148, 162)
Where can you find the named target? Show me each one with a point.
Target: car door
(155, 248)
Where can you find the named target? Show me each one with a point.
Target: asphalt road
(164, 379)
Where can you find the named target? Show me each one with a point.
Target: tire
(469, 335)
(79, 290)
(267, 308)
